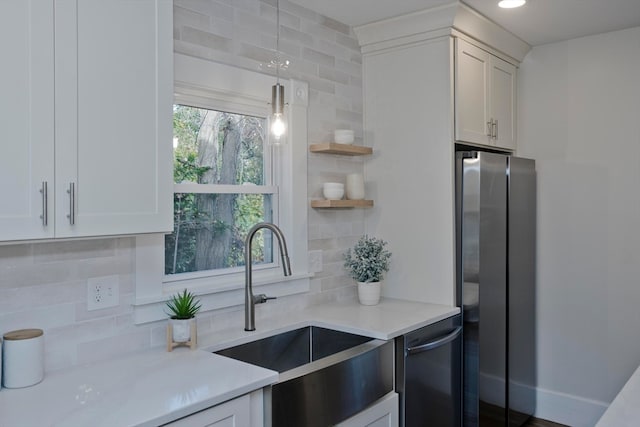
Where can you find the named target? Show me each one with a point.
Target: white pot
(369, 292)
(181, 329)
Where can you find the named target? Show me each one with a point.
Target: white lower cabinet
(383, 413)
(243, 411)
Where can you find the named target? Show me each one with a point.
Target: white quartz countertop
(624, 411)
(387, 320)
(155, 387)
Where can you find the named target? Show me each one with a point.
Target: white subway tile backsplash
(44, 318)
(106, 348)
(19, 276)
(14, 255)
(318, 57)
(297, 10)
(317, 31)
(254, 22)
(348, 41)
(297, 36)
(183, 17)
(67, 251)
(15, 300)
(207, 39)
(335, 25)
(333, 75)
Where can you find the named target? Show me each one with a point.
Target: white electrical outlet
(103, 292)
(315, 261)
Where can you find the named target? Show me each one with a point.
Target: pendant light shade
(278, 126)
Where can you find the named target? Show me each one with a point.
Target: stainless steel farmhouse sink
(326, 376)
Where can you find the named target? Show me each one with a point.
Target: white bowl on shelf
(343, 136)
(333, 190)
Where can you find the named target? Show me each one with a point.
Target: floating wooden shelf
(344, 149)
(341, 203)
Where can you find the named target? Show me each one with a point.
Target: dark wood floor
(535, 422)
(494, 416)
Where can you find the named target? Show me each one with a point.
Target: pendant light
(278, 124)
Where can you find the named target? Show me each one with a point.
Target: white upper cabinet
(26, 119)
(418, 85)
(106, 160)
(114, 92)
(485, 95)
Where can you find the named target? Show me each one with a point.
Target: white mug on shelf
(333, 190)
(355, 186)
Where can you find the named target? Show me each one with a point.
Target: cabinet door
(503, 103)
(113, 98)
(472, 104)
(234, 413)
(26, 119)
(383, 413)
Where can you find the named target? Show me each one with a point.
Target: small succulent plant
(368, 260)
(184, 305)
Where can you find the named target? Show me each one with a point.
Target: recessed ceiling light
(510, 4)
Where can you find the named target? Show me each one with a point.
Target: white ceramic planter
(369, 293)
(181, 329)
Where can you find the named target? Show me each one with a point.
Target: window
(228, 177)
(222, 170)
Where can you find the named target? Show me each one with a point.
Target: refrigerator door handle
(440, 341)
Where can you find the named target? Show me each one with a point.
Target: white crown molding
(454, 18)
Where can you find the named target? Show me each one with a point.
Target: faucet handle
(261, 298)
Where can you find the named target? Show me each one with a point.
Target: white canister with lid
(355, 186)
(23, 358)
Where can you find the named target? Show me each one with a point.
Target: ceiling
(538, 22)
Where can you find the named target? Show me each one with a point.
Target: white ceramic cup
(333, 190)
(355, 186)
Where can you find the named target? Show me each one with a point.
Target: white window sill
(153, 309)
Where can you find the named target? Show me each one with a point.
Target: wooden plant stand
(192, 340)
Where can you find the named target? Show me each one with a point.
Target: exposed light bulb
(510, 4)
(278, 127)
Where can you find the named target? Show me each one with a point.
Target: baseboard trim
(568, 409)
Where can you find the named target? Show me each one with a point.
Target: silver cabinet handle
(45, 203)
(72, 203)
(490, 128)
(440, 341)
(495, 129)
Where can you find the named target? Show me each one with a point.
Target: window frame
(271, 187)
(206, 84)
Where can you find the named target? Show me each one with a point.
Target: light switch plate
(103, 292)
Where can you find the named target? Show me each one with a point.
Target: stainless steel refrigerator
(496, 228)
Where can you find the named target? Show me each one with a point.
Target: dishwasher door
(429, 375)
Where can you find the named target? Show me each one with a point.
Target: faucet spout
(249, 299)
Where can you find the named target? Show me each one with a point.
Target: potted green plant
(182, 311)
(366, 263)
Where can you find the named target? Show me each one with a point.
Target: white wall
(44, 285)
(579, 117)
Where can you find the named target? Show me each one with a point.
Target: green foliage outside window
(209, 229)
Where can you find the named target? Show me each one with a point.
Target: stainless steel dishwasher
(429, 375)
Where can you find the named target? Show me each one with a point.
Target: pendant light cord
(278, 41)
